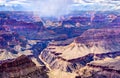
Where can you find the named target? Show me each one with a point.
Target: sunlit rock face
(17, 64)
(106, 68)
(13, 45)
(16, 57)
(100, 40)
(71, 55)
(21, 67)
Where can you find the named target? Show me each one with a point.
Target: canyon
(71, 47)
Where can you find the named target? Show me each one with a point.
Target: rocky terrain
(73, 46)
(21, 67)
(17, 58)
(106, 68)
(92, 45)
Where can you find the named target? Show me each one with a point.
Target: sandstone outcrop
(94, 44)
(21, 67)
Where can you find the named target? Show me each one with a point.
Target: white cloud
(2, 2)
(79, 1)
(97, 5)
(60, 7)
(12, 2)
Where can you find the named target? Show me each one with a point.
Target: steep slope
(7, 55)
(16, 57)
(93, 44)
(21, 67)
(106, 68)
(12, 45)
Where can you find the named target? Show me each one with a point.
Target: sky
(97, 5)
(58, 7)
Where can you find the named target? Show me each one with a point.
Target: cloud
(58, 7)
(43, 7)
(97, 5)
(2, 2)
(52, 7)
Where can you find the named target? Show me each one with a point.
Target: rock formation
(92, 45)
(21, 67)
(16, 57)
